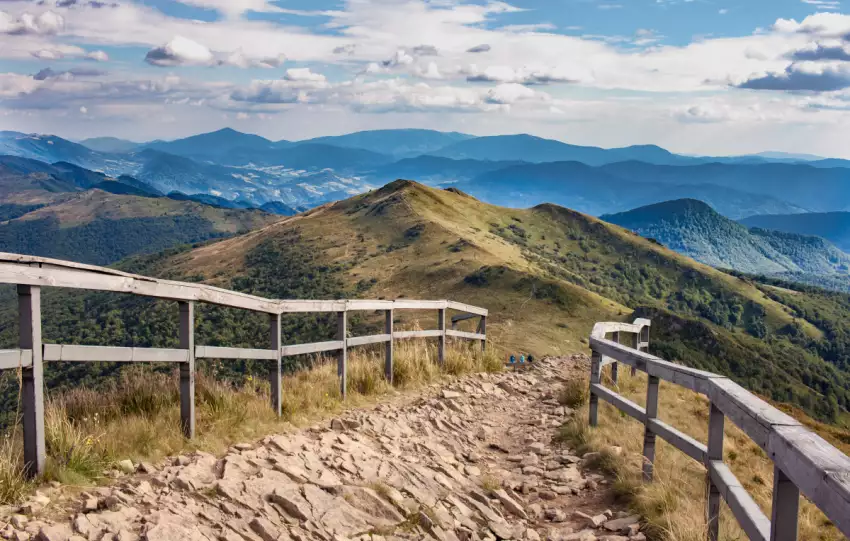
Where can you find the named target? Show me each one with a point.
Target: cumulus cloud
(431, 71)
(46, 23)
(400, 58)
(424, 50)
(509, 93)
(702, 114)
(524, 75)
(483, 48)
(240, 60)
(347, 49)
(49, 73)
(803, 76)
(304, 75)
(298, 85)
(180, 51)
(819, 51)
(98, 56)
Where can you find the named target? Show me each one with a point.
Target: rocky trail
(471, 460)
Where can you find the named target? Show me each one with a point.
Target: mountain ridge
(693, 228)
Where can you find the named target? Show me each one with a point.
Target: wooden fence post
(32, 392)
(786, 507)
(482, 329)
(615, 366)
(388, 353)
(649, 435)
(187, 369)
(595, 378)
(342, 359)
(276, 393)
(441, 345)
(715, 452)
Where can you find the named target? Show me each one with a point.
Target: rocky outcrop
(473, 460)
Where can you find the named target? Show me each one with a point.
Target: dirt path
(471, 460)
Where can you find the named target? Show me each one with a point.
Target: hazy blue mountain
(833, 226)
(208, 199)
(694, 229)
(398, 143)
(110, 144)
(529, 148)
(773, 155)
(598, 190)
(49, 148)
(808, 187)
(315, 156)
(436, 170)
(279, 208)
(830, 162)
(212, 146)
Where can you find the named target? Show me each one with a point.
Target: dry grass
(574, 393)
(137, 415)
(674, 504)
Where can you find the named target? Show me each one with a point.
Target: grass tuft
(574, 393)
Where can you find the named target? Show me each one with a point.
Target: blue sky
(695, 76)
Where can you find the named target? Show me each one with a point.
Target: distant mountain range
(512, 170)
(65, 211)
(833, 226)
(696, 230)
(615, 187)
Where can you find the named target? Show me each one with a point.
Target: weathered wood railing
(30, 274)
(803, 461)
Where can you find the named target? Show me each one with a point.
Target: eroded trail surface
(471, 460)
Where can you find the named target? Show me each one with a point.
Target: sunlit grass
(674, 503)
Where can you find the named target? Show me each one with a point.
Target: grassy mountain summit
(693, 228)
(546, 273)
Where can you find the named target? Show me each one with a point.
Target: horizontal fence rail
(31, 273)
(803, 461)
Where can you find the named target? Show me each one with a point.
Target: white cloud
(46, 23)
(509, 93)
(240, 60)
(304, 75)
(98, 56)
(431, 71)
(803, 76)
(233, 8)
(524, 75)
(824, 4)
(180, 51)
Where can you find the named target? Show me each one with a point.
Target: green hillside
(547, 274)
(100, 228)
(694, 229)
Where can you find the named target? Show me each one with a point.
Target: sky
(720, 77)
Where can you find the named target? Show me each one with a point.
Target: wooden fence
(30, 274)
(803, 461)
